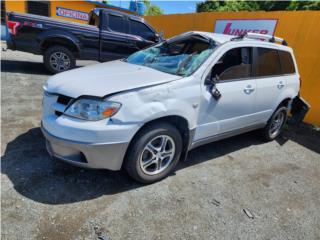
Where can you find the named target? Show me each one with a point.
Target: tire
(58, 59)
(271, 131)
(139, 155)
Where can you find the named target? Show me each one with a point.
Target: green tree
(269, 5)
(273, 5)
(304, 5)
(224, 6)
(151, 9)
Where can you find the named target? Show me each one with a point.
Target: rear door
(113, 37)
(234, 109)
(289, 70)
(270, 81)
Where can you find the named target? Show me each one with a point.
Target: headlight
(92, 109)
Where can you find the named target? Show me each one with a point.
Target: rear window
(117, 23)
(94, 20)
(287, 64)
(268, 62)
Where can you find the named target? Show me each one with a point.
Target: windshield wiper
(184, 63)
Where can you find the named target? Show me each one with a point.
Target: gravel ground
(277, 183)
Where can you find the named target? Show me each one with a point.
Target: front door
(234, 109)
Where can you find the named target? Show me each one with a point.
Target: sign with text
(241, 26)
(69, 13)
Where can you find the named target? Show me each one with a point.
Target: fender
(154, 102)
(47, 35)
(288, 93)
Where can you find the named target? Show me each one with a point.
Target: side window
(138, 28)
(234, 64)
(94, 20)
(268, 62)
(117, 23)
(287, 64)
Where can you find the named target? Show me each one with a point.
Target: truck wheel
(154, 153)
(275, 124)
(58, 59)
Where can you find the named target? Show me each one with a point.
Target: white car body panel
(147, 104)
(147, 94)
(102, 79)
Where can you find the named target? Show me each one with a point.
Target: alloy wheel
(276, 123)
(157, 155)
(60, 61)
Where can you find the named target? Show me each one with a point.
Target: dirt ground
(278, 183)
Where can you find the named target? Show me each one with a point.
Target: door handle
(249, 89)
(280, 85)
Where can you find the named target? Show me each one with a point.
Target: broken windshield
(181, 57)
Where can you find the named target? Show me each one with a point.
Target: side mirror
(211, 83)
(211, 80)
(157, 37)
(160, 36)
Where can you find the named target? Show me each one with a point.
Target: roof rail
(266, 37)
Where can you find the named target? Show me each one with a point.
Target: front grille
(83, 158)
(58, 114)
(64, 100)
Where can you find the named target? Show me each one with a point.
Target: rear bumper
(299, 109)
(90, 155)
(23, 46)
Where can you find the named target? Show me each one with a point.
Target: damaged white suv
(144, 113)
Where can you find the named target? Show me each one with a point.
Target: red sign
(242, 26)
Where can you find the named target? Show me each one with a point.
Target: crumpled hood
(105, 78)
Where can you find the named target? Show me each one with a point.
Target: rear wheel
(154, 153)
(275, 124)
(58, 59)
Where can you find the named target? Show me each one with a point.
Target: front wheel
(275, 124)
(154, 153)
(58, 59)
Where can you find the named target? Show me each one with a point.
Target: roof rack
(259, 36)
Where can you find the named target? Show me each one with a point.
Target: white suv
(144, 113)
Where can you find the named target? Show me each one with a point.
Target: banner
(69, 13)
(241, 26)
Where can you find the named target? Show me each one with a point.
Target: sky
(169, 7)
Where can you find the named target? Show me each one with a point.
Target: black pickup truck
(109, 35)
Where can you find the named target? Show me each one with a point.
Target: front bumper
(91, 155)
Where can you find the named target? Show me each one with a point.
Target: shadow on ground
(36, 176)
(24, 67)
(303, 134)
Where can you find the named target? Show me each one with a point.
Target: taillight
(12, 27)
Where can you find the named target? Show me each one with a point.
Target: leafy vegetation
(243, 5)
(152, 9)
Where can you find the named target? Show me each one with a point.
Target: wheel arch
(285, 102)
(62, 40)
(177, 121)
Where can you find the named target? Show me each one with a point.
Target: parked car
(146, 112)
(110, 35)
